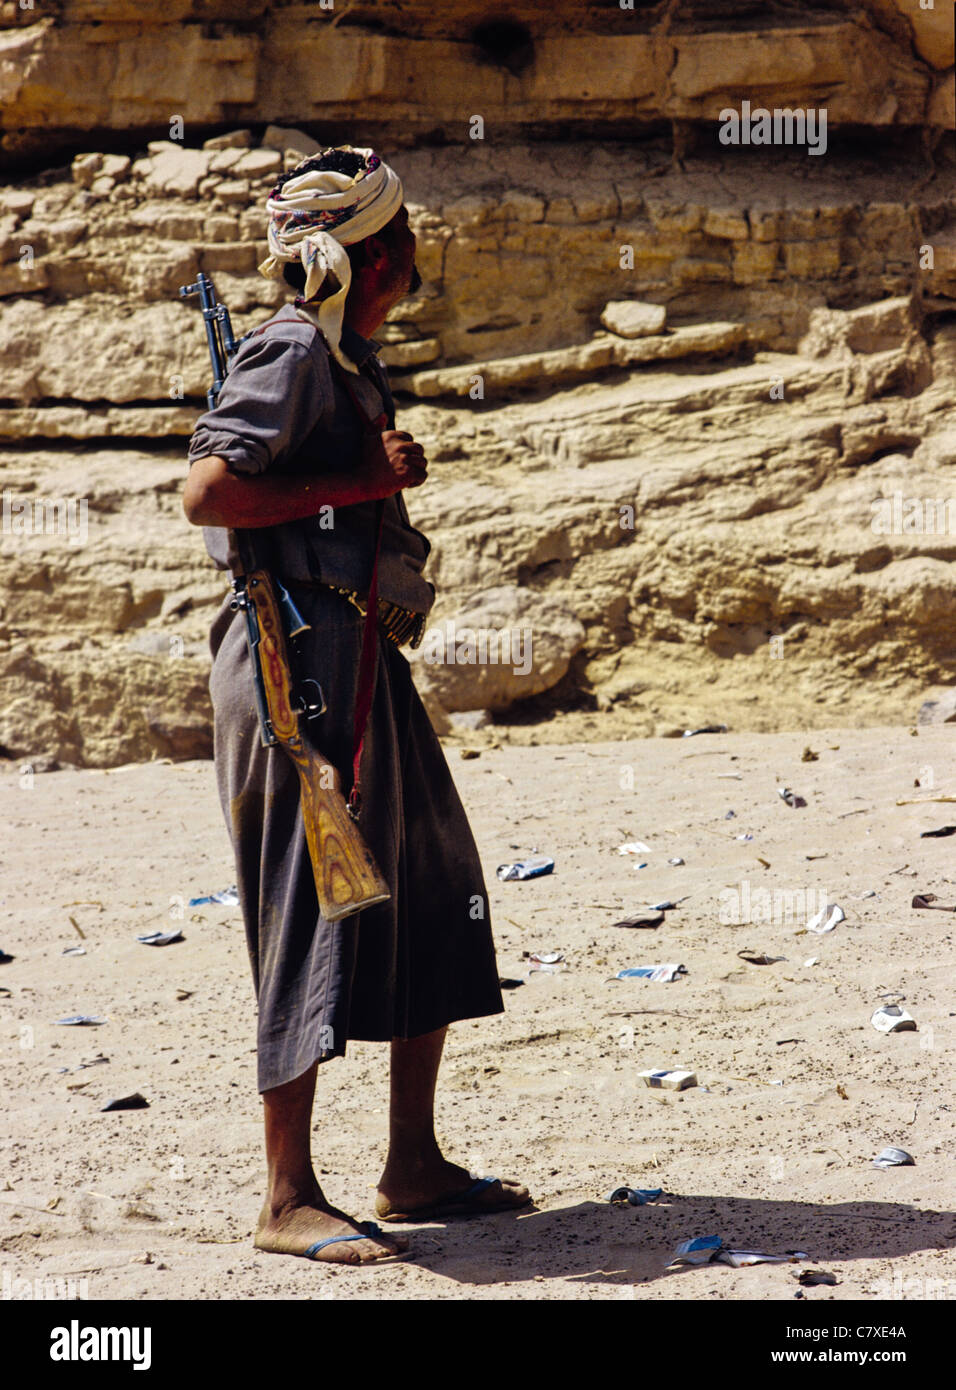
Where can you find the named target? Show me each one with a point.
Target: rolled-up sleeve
(274, 395)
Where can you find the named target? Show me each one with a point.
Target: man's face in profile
(406, 271)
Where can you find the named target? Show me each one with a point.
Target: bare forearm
(220, 498)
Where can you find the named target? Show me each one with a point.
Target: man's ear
(376, 253)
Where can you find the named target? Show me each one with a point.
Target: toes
(516, 1192)
(373, 1251)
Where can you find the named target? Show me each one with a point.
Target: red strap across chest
(365, 687)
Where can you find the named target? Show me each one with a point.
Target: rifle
(347, 878)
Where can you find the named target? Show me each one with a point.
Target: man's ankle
(285, 1195)
(414, 1154)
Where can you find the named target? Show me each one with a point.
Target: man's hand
(399, 463)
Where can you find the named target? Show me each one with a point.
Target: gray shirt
(283, 408)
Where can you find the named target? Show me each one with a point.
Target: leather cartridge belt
(400, 624)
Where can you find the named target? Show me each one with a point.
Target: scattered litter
(696, 1252)
(892, 1019)
(781, 1042)
(705, 729)
(748, 955)
(814, 960)
(229, 897)
(74, 951)
(808, 755)
(893, 1158)
(927, 902)
(710, 1250)
(182, 994)
(636, 1196)
(659, 974)
(764, 862)
(822, 923)
(93, 1061)
(731, 815)
(740, 1259)
(641, 865)
(526, 868)
(731, 776)
(870, 893)
(161, 938)
(743, 837)
(76, 927)
(133, 1102)
(790, 797)
(669, 1080)
(634, 847)
(940, 834)
(76, 1020)
(666, 905)
(640, 921)
(810, 1278)
(547, 962)
(5, 957)
(676, 860)
(505, 983)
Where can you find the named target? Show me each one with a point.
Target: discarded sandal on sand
(465, 1203)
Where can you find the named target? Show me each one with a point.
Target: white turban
(317, 213)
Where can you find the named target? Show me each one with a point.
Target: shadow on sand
(627, 1245)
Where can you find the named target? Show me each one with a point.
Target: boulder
(286, 138)
(174, 169)
(413, 353)
(256, 164)
(629, 318)
(941, 710)
(504, 645)
(231, 140)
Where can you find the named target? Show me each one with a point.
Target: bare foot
(437, 1187)
(291, 1229)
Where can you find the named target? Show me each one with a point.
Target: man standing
(296, 456)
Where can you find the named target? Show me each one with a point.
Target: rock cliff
(687, 403)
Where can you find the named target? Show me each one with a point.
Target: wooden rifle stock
(347, 878)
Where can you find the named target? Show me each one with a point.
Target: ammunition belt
(399, 624)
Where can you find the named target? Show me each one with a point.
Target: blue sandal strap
(370, 1228)
(477, 1187)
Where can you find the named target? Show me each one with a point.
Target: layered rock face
(687, 402)
(417, 71)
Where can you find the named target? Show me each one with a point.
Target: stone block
(629, 318)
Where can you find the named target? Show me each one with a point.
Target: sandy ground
(768, 1151)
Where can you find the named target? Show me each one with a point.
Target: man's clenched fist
(399, 463)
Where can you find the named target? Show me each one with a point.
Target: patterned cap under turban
(314, 214)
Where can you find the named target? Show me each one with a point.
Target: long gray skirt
(423, 959)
